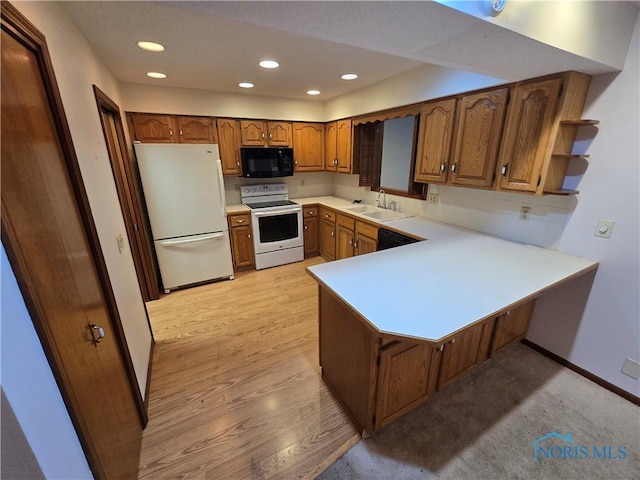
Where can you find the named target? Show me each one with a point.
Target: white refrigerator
(184, 192)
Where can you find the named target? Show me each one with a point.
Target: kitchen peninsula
(398, 325)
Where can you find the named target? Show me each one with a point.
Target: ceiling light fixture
(156, 75)
(246, 85)
(151, 46)
(313, 92)
(349, 76)
(269, 64)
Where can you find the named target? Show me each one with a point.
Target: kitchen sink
(362, 209)
(385, 215)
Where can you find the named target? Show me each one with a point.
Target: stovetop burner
(269, 204)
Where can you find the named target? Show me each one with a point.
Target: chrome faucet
(384, 199)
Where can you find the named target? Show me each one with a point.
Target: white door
(183, 188)
(194, 259)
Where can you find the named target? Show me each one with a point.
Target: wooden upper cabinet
(527, 134)
(476, 142)
(279, 134)
(253, 133)
(196, 130)
(308, 146)
(151, 128)
(330, 142)
(344, 151)
(229, 145)
(434, 142)
(260, 133)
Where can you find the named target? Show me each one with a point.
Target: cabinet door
(308, 146)
(330, 142)
(148, 128)
(229, 145)
(328, 239)
(479, 120)
(465, 351)
(434, 143)
(253, 133)
(279, 134)
(344, 243)
(242, 246)
(196, 130)
(511, 326)
(310, 236)
(344, 151)
(525, 143)
(365, 244)
(407, 376)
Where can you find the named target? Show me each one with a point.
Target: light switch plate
(604, 228)
(631, 368)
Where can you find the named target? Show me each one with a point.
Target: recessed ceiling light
(349, 76)
(246, 85)
(156, 75)
(269, 64)
(151, 46)
(313, 92)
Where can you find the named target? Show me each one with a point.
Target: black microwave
(266, 162)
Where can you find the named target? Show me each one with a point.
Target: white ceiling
(216, 45)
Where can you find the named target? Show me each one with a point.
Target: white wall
(31, 389)
(610, 328)
(77, 68)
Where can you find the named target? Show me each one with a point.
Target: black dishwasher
(389, 239)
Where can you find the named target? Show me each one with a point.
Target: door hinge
(378, 364)
(539, 180)
(561, 90)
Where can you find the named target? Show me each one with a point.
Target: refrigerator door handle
(171, 243)
(223, 200)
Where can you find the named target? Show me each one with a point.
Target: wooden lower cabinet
(327, 233)
(408, 375)
(354, 237)
(379, 378)
(511, 326)
(310, 226)
(242, 250)
(465, 351)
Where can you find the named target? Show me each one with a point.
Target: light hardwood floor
(236, 390)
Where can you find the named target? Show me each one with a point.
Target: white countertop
(431, 289)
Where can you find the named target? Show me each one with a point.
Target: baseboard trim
(581, 371)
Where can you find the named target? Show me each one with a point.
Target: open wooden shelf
(562, 191)
(579, 123)
(570, 156)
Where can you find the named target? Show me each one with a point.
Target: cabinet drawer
(346, 222)
(367, 230)
(310, 211)
(328, 214)
(239, 220)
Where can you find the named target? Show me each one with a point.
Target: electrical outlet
(525, 213)
(432, 198)
(604, 228)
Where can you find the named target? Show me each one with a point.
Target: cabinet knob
(240, 221)
(263, 135)
(237, 164)
(332, 233)
(249, 236)
(306, 227)
(454, 167)
(443, 168)
(170, 132)
(181, 132)
(504, 169)
(311, 212)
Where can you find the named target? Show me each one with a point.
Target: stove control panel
(247, 191)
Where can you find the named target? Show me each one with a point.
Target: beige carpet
(483, 427)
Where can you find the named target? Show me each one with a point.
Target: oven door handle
(276, 212)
